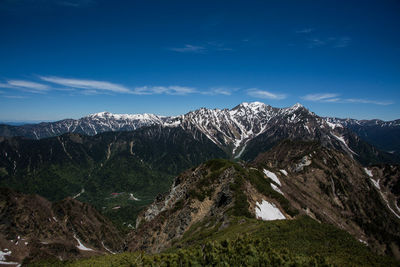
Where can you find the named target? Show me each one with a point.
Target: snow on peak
(108, 115)
(253, 106)
(296, 106)
(101, 114)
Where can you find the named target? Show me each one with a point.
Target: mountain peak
(297, 106)
(254, 106)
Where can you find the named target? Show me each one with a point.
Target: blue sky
(69, 58)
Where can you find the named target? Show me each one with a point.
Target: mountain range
(234, 130)
(155, 179)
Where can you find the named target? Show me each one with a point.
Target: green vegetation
(250, 242)
(302, 237)
(143, 162)
(242, 251)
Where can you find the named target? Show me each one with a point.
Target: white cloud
(27, 86)
(189, 49)
(305, 30)
(169, 90)
(333, 42)
(334, 98)
(14, 96)
(87, 84)
(324, 97)
(219, 91)
(255, 92)
(367, 101)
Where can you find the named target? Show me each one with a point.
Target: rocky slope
(332, 187)
(33, 228)
(291, 179)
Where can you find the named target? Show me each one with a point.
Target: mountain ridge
(230, 129)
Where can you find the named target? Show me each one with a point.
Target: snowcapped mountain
(385, 135)
(238, 131)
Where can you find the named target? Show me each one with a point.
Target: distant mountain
(244, 131)
(384, 135)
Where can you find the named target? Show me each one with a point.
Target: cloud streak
(255, 92)
(333, 42)
(169, 90)
(305, 31)
(189, 49)
(334, 98)
(95, 87)
(324, 97)
(201, 49)
(86, 84)
(27, 86)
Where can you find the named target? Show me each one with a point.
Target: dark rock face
(33, 228)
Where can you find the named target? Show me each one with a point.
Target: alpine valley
(254, 185)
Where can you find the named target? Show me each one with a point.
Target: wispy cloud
(334, 98)
(75, 3)
(342, 42)
(324, 97)
(255, 92)
(15, 96)
(95, 87)
(189, 49)
(220, 91)
(91, 85)
(169, 90)
(368, 101)
(305, 30)
(333, 42)
(203, 48)
(27, 86)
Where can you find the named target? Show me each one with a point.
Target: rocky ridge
(293, 178)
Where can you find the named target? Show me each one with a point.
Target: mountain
(384, 135)
(117, 172)
(33, 228)
(244, 131)
(292, 180)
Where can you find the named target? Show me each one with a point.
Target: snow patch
(3, 258)
(333, 125)
(376, 183)
(268, 211)
(368, 172)
(284, 172)
(272, 176)
(80, 193)
(305, 161)
(364, 242)
(81, 246)
(112, 252)
(276, 189)
(341, 139)
(132, 197)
